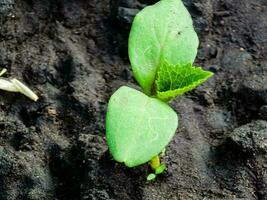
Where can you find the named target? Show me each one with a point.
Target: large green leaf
(138, 127)
(161, 31)
(175, 80)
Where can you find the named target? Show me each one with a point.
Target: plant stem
(155, 162)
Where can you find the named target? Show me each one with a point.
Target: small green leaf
(138, 127)
(160, 169)
(175, 80)
(151, 177)
(161, 31)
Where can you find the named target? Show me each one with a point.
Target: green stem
(155, 162)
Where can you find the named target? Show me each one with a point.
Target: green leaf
(160, 169)
(161, 31)
(138, 127)
(174, 80)
(151, 177)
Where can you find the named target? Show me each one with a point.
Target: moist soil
(73, 54)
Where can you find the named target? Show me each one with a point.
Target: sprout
(15, 85)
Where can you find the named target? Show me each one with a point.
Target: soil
(73, 53)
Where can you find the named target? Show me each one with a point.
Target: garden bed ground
(73, 53)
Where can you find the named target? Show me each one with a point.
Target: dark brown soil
(73, 53)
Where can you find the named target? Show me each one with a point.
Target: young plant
(162, 48)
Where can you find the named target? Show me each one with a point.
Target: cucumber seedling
(162, 48)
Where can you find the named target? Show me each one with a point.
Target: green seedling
(15, 85)
(162, 48)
